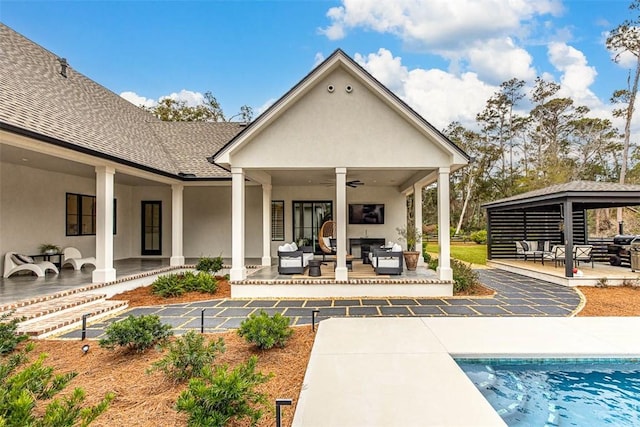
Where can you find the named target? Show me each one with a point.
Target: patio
(550, 273)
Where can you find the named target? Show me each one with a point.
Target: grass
(467, 252)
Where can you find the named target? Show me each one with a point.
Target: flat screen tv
(366, 213)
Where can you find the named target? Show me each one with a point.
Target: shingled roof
(598, 193)
(76, 112)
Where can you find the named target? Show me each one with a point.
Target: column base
(176, 260)
(104, 275)
(342, 273)
(444, 273)
(237, 274)
(266, 260)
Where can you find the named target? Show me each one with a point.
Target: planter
(50, 251)
(411, 259)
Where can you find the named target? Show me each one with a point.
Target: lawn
(467, 252)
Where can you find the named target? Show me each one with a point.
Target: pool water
(550, 393)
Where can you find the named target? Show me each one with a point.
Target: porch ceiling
(327, 177)
(34, 159)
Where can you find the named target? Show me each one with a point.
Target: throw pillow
(327, 242)
(23, 259)
(525, 246)
(294, 247)
(396, 248)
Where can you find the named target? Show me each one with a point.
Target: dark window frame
(78, 214)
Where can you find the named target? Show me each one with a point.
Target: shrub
(136, 334)
(188, 355)
(480, 237)
(432, 263)
(9, 339)
(463, 276)
(169, 285)
(264, 331)
(173, 285)
(219, 398)
(20, 392)
(210, 265)
(200, 282)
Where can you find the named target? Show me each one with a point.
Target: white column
(238, 270)
(177, 224)
(104, 271)
(417, 215)
(444, 257)
(266, 224)
(341, 224)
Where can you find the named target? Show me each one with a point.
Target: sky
(445, 58)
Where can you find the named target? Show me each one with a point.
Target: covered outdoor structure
(542, 215)
(336, 126)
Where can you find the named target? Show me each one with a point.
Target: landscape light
(85, 349)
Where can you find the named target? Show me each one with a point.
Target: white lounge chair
(14, 262)
(73, 256)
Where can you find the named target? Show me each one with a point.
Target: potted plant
(49, 249)
(411, 235)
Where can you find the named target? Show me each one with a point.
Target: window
(277, 220)
(81, 215)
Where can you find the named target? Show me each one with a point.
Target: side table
(314, 268)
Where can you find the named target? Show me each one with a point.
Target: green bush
(219, 398)
(200, 282)
(463, 276)
(210, 265)
(188, 355)
(20, 392)
(432, 263)
(264, 331)
(173, 285)
(136, 334)
(479, 237)
(9, 339)
(169, 285)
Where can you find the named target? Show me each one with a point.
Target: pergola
(541, 215)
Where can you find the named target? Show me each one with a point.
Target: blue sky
(443, 57)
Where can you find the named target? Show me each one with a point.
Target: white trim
(444, 256)
(341, 224)
(266, 224)
(177, 225)
(238, 269)
(104, 271)
(417, 215)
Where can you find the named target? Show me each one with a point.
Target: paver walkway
(516, 296)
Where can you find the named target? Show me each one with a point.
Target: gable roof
(336, 59)
(76, 112)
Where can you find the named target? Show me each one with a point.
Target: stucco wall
(356, 129)
(32, 211)
(394, 201)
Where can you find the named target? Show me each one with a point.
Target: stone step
(69, 318)
(44, 308)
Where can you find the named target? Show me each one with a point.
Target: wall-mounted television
(366, 213)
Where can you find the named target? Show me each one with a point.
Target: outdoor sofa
(387, 260)
(293, 260)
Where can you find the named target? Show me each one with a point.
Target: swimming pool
(559, 393)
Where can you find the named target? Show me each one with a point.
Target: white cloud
(439, 96)
(268, 103)
(138, 100)
(192, 99)
(577, 74)
(317, 59)
(498, 60)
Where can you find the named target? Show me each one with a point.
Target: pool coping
(398, 371)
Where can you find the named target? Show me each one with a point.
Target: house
(80, 166)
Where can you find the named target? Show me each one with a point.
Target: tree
(171, 110)
(625, 39)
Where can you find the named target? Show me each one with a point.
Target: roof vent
(186, 175)
(63, 66)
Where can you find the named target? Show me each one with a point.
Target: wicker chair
(326, 235)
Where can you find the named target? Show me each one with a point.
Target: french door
(151, 228)
(308, 217)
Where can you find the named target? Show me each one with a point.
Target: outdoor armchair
(14, 262)
(73, 256)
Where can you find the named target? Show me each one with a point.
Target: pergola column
(568, 238)
(177, 203)
(104, 271)
(341, 224)
(238, 269)
(266, 224)
(444, 256)
(417, 215)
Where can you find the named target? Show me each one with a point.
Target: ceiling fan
(355, 183)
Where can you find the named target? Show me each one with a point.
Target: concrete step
(70, 318)
(44, 308)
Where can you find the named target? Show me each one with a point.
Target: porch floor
(549, 272)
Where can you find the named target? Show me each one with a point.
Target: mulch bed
(148, 399)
